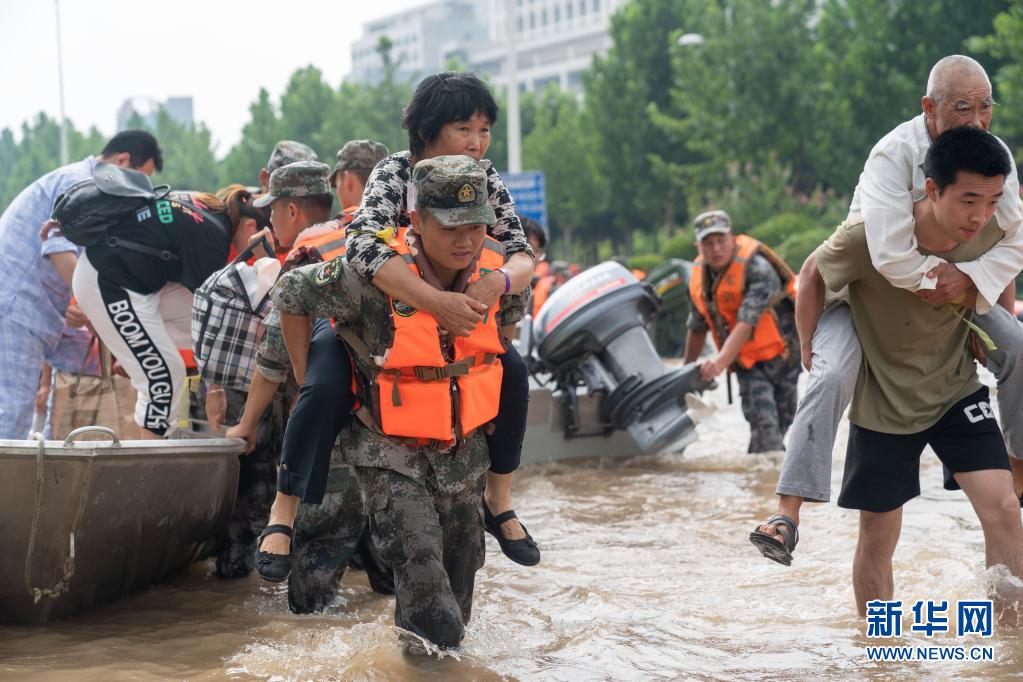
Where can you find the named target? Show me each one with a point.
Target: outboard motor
(592, 332)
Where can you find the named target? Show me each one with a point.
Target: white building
(424, 39)
(555, 40)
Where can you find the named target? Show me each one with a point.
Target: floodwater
(647, 574)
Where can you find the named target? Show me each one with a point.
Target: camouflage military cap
(289, 151)
(299, 179)
(712, 222)
(454, 190)
(358, 154)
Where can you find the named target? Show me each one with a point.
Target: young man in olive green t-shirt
(918, 384)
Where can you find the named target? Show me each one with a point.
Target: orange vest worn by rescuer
(418, 393)
(328, 240)
(541, 292)
(767, 342)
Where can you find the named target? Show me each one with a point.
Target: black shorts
(882, 470)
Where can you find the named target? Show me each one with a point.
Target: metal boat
(89, 522)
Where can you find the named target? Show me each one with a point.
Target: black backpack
(87, 213)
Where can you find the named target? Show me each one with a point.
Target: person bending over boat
(918, 383)
(35, 275)
(449, 113)
(958, 94)
(426, 394)
(139, 298)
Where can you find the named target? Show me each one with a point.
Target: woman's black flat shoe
(522, 551)
(274, 567)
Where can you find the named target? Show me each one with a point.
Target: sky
(220, 52)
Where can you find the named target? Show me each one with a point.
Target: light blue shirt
(31, 291)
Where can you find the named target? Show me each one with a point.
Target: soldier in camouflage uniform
(328, 534)
(767, 387)
(452, 113)
(284, 152)
(424, 505)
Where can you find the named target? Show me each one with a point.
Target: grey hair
(947, 70)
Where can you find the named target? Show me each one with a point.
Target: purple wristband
(507, 280)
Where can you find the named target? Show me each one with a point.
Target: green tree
(38, 153)
(740, 94)
(188, 161)
(365, 111)
(561, 145)
(259, 135)
(876, 55)
(1006, 44)
(622, 90)
(306, 104)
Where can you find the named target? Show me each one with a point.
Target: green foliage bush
(646, 261)
(682, 245)
(778, 229)
(797, 247)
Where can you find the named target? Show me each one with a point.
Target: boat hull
(119, 518)
(546, 437)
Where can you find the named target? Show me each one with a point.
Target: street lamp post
(60, 85)
(514, 123)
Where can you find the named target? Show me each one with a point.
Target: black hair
(141, 145)
(361, 173)
(441, 99)
(966, 149)
(322, 202)
(533, 229)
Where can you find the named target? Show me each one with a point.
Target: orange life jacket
(767, 342)
(541, 292)
(419, 394)
(329, 243)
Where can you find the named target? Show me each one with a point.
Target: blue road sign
(530, 194)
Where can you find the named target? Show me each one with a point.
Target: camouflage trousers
(327, 536)
(257, 485)
(435, 544)
(768, 394)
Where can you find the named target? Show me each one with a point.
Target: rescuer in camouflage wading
(423, 496)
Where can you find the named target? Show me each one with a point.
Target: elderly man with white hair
(892, 181)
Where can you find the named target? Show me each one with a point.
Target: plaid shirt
(226, 331)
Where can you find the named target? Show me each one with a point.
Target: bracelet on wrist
(507, 279)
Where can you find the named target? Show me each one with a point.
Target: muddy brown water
(647, 574)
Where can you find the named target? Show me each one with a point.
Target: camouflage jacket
(335, 290)
(272, 359)
(385, 203)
